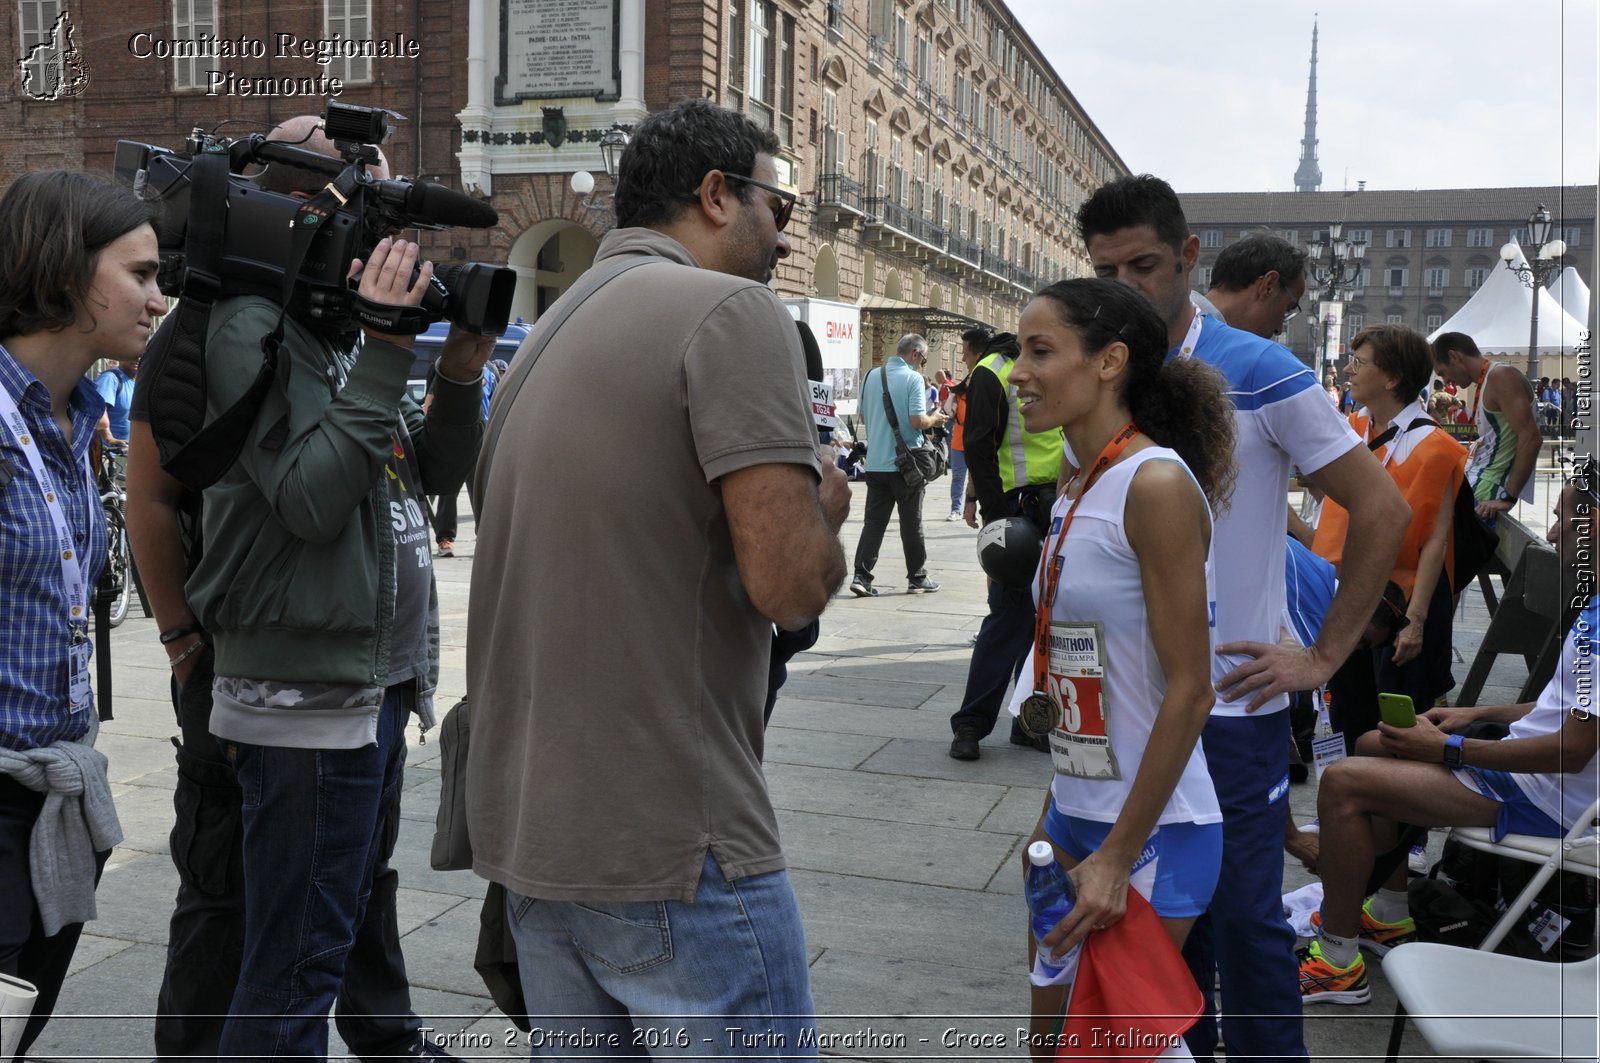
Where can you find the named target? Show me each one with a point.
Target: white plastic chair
(1476, 1004)
(1579, 851)
(1472, 1004)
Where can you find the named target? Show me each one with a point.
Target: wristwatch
(1502, 495)
(1452, 751)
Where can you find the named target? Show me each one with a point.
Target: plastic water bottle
(1050, 897)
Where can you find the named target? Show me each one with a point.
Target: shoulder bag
(919, 465)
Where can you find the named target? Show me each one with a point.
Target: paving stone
(830, 716)
(897, 852)
(1001, 762)
(853, 793)
(860, 690)
(818, 748)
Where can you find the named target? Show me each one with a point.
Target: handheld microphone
(822, 408)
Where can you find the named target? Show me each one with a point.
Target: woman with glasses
(1389, 367)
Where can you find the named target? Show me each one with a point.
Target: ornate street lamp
(612, 143)
(1335, 267)
(1534, 271)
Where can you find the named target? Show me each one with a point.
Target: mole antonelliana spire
(1308, 177)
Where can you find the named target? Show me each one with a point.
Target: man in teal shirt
(886, 488)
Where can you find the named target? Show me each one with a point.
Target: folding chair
(1477, 1004)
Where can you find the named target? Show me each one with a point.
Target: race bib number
(1080, 744)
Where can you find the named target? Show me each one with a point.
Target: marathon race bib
(1080, 743)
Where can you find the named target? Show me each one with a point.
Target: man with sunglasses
(618, 667)
(1257, 283)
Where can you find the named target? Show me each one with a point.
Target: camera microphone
(441, 205)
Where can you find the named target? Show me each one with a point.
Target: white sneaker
(1417, 859)
(954, 515)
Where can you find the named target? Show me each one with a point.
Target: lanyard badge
(73, 580)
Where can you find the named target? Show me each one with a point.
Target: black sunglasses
(780, 213)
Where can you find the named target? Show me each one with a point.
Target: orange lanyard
(1477, 393)
(1050, 571)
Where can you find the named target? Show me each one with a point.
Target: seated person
(1538, 780)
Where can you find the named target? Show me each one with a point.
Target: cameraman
(316, 593)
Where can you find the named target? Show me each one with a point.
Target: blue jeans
(205, 938)
(1245, 936)
(314, 824)
(613, 978)
(958, 479)
(1001, 649)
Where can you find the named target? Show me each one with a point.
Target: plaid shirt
(33, 627)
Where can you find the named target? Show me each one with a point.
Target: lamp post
(1341, 270)
(612, 143)
(1533, 273)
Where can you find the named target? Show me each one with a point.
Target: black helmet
(1009, 550)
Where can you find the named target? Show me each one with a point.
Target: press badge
(78, 692)
(1080, 744)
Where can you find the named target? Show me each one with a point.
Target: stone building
(937, 154)
(1427, 251)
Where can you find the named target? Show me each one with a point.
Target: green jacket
(297, 578)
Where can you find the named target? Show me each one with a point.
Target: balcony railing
(965, 250)
(838, 190)
(902, 71)
(924, 93)
(941, 109)
(874, 51)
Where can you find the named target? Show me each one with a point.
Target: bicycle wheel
(117, 558)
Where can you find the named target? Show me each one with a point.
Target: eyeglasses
(1356, 362)
(1292, 313)
(786, 200)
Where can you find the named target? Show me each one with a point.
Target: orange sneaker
(1323, 983)
(1377, 937)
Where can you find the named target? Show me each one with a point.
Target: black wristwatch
(1452, 751)
(1502, 495)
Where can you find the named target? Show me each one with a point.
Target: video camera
(221, 231)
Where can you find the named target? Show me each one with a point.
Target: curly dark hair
(672, 150)
(1179, 403)
(1142, 199)
(53, 226)
(1400, 352)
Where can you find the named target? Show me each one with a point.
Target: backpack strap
(510, 384)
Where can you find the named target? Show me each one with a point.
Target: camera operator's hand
(463, 355)
(387, 280)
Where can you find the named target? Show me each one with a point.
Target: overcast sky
(1410, 93)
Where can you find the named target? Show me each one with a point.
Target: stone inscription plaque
(558, 48)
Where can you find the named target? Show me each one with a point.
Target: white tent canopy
(1573, 295)
(1496, 317)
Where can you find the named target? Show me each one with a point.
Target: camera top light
(349, 122)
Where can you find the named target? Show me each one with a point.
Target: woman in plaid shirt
(78, 262)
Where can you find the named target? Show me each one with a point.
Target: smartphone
(1396, 710)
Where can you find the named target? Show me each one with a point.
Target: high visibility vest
(1024, 457)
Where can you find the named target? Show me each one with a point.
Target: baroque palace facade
(938, 156)
(1428, 251)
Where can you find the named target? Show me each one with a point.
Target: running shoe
(1323, 983)
(1377, 937)
(1417, 860)
(447, 548)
